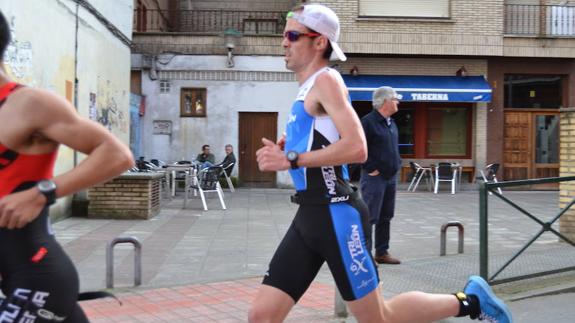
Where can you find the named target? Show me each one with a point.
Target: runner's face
(299, 52)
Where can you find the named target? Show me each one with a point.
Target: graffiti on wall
(18, 56)
(107, 111)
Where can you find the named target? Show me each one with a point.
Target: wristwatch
(48, 189)
(292, 157)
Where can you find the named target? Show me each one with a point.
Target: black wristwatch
(48, 189)
(292, 157)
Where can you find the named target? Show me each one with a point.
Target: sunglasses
(293, 35)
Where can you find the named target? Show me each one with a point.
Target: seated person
(205, 159)
(229, 159)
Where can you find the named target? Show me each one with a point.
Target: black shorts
(333, 233)
(39, 280)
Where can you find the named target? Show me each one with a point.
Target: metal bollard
(339, 307)
(444, 233)
(137, 260)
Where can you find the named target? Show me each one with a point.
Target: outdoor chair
(488, 175)
(445, 172)
(206, 181)
(227, 173)
(418, 173)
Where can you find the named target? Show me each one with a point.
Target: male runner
(323, 134)
(38, 279)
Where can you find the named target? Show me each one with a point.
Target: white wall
(42, 54)
(225, 99)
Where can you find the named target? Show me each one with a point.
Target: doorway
(531, 145)
(253, 126)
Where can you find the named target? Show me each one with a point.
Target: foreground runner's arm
(331, 94)
(49, 116)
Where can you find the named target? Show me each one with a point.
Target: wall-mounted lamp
(354, 71)
(462, 71)
(230, 38)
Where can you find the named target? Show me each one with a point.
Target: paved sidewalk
(205, 266)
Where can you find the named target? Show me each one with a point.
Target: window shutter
(404, 8)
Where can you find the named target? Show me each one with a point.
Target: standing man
(38, 279)
(206, 159)
(324, 133)
(378, 180)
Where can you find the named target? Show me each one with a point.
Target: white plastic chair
(445, 172)
(230, 166)
(491, 170)
(418, 173)
(207, 181)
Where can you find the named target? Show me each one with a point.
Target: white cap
(323, 20)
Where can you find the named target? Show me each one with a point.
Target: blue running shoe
(492, 308)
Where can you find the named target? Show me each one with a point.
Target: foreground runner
(324, 133)
(38, 279)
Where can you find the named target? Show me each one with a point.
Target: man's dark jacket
(382, 145)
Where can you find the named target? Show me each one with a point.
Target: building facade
(482, 82)
(80, 51)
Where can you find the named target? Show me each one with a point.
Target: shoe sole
(487, 289)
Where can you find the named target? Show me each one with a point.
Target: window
(404, 8)
(404, 121)
(433, 130)
(193, 102)
(164, 86)
(447, 133)
(533, 91)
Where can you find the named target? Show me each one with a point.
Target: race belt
(306, 198)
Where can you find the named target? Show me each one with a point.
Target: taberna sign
(421, 88)
(429, 97)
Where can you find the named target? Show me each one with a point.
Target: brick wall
(274, 5)
(567, 168)
(129, 196)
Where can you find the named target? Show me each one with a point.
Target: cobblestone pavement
(205, 266)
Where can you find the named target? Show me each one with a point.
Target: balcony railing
(209, 21)
(540, 20)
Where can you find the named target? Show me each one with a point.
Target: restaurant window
(404, 121)
(447, 132)
(404, 8)
(533, 91)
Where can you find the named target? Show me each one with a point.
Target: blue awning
(421, 88)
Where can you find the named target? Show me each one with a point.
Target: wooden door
(253, 126)
(517, 155)
(531, 145)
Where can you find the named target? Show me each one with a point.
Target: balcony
(209, 21)
(539, 20)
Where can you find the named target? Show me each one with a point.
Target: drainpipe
(80, 199)
(76, 72)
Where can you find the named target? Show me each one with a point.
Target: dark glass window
(404, 120)
(447, 132)
(533, 91)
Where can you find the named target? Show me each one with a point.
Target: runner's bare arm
(107, 156)
(331, 93)
(351, 148)
(51, 117)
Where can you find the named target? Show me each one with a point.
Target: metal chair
(227, 172)
(491, 170)
(207, 181)
(445, 172)
(418, 173)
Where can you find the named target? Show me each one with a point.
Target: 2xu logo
(339, 199)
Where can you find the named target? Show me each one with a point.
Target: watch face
(46, 186)
(291, 155)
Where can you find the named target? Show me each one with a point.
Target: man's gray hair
(382, 94)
